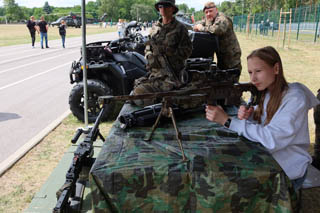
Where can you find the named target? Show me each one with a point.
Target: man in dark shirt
(43, 26)
(31, 24)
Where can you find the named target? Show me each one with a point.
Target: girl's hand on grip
(244, 113)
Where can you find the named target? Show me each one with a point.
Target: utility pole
(137, 14)
(242, 15)
(84, 57)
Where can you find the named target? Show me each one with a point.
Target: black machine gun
(207, 91)
(68, 195)
(204, 81)
(148, 115)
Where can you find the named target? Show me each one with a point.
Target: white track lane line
(24, 65)
(42, 73)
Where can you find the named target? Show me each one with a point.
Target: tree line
(141, 10)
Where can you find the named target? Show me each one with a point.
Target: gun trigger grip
(212, 102)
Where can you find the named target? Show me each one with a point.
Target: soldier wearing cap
(217, 23)
(168, 47)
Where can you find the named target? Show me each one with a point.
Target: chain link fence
(300, 24)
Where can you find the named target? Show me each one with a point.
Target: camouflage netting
(224, 173)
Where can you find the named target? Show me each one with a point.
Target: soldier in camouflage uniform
(168, 47)
(222, 26)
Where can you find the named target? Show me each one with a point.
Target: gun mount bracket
(167, 111)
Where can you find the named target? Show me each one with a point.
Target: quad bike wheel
(95, 89)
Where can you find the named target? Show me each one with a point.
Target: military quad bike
(112, 67)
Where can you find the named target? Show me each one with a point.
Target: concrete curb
(11, 160)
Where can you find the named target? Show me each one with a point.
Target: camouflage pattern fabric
(224, 173)
(169, 40)
(230, 52)
(316, 115)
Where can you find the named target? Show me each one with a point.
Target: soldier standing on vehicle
(166, 51)
(43, 26)
(217, 23)
(32, 29)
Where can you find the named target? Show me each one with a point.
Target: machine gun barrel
(231, 92)
(212, 92)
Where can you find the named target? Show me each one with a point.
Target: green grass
(19, 184)
(19, 34)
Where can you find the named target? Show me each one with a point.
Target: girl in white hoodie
(280, 121)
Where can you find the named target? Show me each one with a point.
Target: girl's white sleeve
(282, 129)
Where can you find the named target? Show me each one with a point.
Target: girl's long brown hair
(271, 57)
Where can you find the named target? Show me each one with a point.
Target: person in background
(280, 121)
(266, 27)
(43, 27)
(31, 24)
(217, 23)
(62, 32)
(120, 26)
(261, 27)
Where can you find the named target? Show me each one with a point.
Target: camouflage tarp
(225, 173)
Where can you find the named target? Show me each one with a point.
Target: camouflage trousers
(316, 115)
(152, 84)
(156, 83)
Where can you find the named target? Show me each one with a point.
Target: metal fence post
(284, 29)
(317, 25)
(299, 18)
(257, 28)
(289, 39)
(279, 27)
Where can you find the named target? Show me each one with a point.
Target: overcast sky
(197, 4)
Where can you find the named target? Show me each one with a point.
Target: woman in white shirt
(120, 26)
(280, 121)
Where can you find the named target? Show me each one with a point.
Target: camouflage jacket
(230, 52)
(171, 40)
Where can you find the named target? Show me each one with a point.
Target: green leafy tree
(226, 8)
(2, 11)
(27, 12)
(92, 9)
(46, 8)
(124, 9)
(37, 13)
(12, 11)
(110, 7)
(142, 12)
(183, 8)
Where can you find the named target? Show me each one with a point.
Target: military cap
(208, 5)
(170, 2)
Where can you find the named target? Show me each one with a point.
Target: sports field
(13, 34)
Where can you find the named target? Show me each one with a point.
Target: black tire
(95, 89)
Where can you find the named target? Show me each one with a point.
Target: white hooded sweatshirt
(287, 135)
